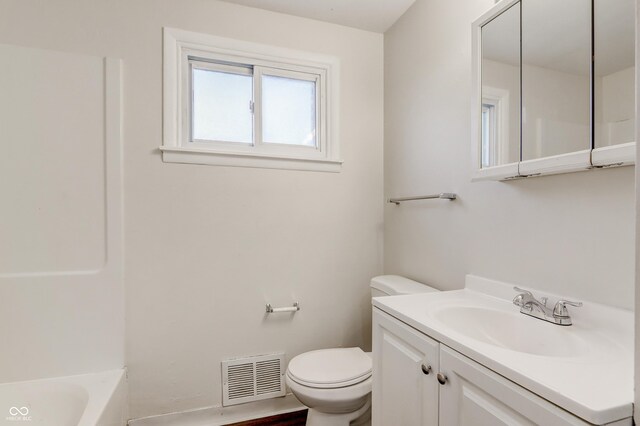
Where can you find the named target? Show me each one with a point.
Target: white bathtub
(98, 399)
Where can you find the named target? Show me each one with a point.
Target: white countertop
(595, 384)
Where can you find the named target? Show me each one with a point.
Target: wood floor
(297, 418)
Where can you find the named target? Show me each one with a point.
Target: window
(224, 110)
(289, 110)
(489, 135)
(228, 102)
(495, 127)
(221, 104)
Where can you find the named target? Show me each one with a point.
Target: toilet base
(361, 417)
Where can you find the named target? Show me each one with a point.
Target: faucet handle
(519, 290)
(518, 300)
(560, 310)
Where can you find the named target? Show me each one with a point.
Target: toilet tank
(389, 285)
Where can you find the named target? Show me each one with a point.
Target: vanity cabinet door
(473, 395)
(556, 86)
(496, 91)
(405, 389)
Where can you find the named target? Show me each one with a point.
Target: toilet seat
(330, 368)
(337, 400)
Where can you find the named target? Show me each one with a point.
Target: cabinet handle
(442, 379)
(426, 369)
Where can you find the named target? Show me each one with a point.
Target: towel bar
(443, 196)
(272, 310)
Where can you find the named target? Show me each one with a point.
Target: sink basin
(513, 331)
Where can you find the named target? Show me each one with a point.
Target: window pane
(288, 111)
(222, 106)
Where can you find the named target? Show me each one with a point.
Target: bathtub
(98, 399)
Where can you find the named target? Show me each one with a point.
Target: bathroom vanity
(469, 357)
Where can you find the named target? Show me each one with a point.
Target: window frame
(183, 50)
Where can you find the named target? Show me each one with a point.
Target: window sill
(264, 161)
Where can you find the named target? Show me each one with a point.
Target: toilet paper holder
(272, 310)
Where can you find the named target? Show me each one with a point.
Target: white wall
(636, 413)
(571, 234)
(206, 247)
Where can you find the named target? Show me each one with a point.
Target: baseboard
(220, 416)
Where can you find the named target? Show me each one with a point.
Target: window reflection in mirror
(556, 77)
(501, 89)
(614, 37)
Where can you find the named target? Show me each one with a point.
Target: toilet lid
(330, 368)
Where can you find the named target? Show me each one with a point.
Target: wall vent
(252, 378)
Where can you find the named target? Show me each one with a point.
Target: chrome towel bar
(272, 310)
(443, 196)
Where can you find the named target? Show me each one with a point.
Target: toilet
(335, 384)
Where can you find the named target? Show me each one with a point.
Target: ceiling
(370, 15)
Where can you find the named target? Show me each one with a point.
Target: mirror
(614, 85)
(500, 112)
(554, 87)
(556, 77)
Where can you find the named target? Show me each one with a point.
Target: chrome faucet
(529, 305)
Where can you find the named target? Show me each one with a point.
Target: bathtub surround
(570, 234)
(61, 267)
(207, 247)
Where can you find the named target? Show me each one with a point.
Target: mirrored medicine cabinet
(554, 88)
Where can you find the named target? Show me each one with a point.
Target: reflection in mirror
(614, 27)
(500, 118)
(556, 81)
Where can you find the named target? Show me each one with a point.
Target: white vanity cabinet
(475, 395)
(471, 395)
(405, 362)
